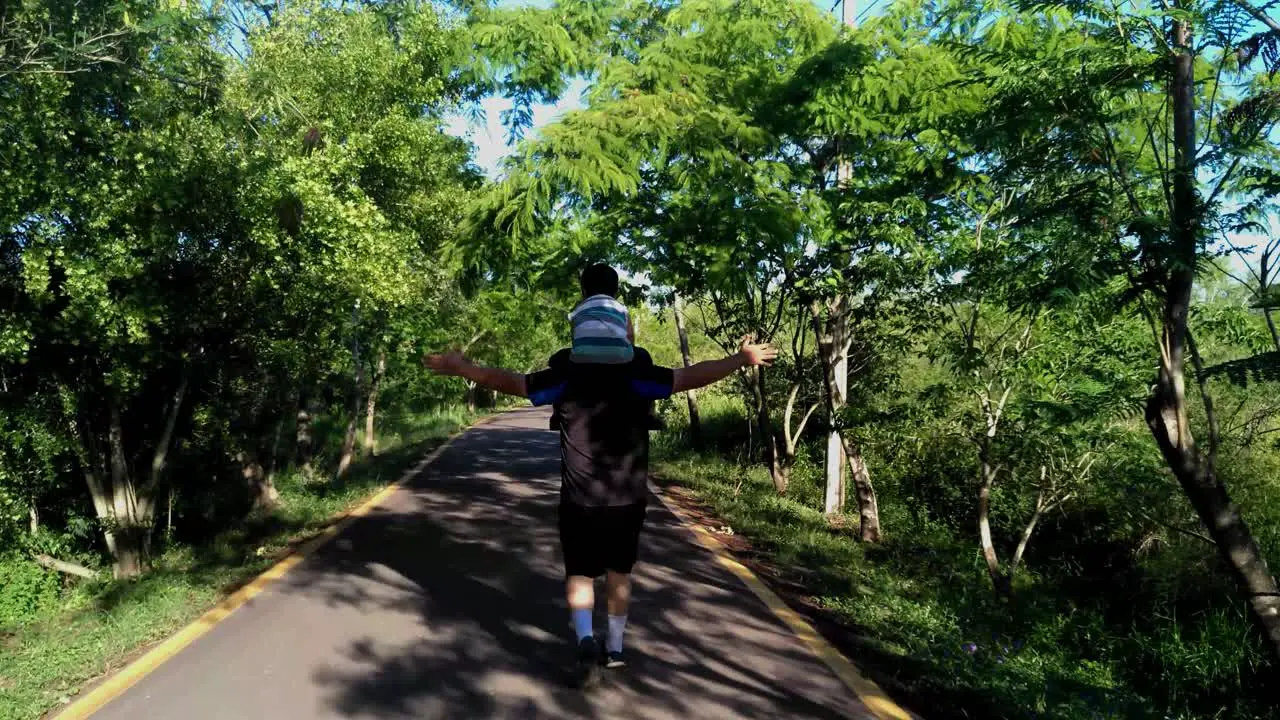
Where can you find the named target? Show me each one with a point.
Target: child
(602, 331)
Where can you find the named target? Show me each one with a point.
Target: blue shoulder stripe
(548, 395)
(651, 390)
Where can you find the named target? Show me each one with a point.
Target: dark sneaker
(615, 661)
(587, 672)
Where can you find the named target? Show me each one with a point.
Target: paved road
(446, 602)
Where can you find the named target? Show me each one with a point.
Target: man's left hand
(449, 363)
(754, 353)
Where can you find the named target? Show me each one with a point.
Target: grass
(99, 626)
(918, 608)
(1161, 638)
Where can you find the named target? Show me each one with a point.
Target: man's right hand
(448, 363)
(754, 353)
(701, 374)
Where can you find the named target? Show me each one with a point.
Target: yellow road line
(871, 694)
(115, 686)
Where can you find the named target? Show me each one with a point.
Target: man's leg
(582, 564)
(580, 592)
(624, 546)
(618, 589)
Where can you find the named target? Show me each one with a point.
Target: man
(604, 468)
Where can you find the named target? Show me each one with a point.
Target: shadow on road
(469, 553)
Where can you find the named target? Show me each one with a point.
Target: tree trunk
(791, 437)
(1166, 415)
(131, 552)
(838, 389)
(33, 514)
(695, 420)
(349, 439)
(91, 466)
(130, 512)
(1025, 540)
(127, 510)
(471, 392)
(1271, 325)
(868, 506)
(261, 490)
(273, 454)
(304, 445)
(834, 487)
(370, 440)
(765, 426)
(161, 454)
(999, 581)
(833, 350)
(348, 447)
(1166, 412)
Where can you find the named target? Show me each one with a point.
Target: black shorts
(596, 539)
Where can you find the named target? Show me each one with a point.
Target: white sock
(582, 623)
(617, 624)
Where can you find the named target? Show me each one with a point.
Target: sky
(489, 137)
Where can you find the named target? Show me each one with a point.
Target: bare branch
(65, 567)
(1175, 528)
(1213, 99)
(1258, 15)
(1117, 170)
(1222, 181)
(1205, 398)
(1232, 275)
(805, 420)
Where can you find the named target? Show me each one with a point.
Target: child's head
(602, 330)
(599, 279)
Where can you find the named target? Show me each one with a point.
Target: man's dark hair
(599, 279)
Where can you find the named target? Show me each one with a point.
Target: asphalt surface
(446, 602)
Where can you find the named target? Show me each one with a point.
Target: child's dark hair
(599, 279)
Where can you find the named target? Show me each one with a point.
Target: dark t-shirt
(604, 427)
(561, 361)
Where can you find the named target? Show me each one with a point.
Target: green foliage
(216, 220)
(201, 243)
(26, 590)
(1162, 641)
(54, 642)
(983, 192)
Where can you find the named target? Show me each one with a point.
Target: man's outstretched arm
(709, 371)
(496, 379)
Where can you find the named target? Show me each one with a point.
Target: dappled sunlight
(474, 567)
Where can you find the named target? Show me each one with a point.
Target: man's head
(599, 279)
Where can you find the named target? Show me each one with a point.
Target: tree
(183, 250)
(100, 273)
(62, 38)
(695, 422)
(667, 167)
(1143, 112)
